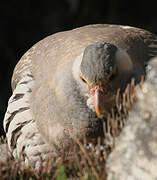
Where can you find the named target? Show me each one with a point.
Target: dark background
(23, 23)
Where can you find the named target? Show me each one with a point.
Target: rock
(135, 153)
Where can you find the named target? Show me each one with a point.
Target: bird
(64, 86)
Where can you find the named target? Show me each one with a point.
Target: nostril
(102, 89)
(92, 91)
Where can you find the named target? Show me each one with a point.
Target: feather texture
(48, 96)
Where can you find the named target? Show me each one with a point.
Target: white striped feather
(24, 140)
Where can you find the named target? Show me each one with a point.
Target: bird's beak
(99, 99)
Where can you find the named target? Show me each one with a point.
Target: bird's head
(103, 69)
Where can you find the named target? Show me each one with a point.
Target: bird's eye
(83, 79)
(113, 75)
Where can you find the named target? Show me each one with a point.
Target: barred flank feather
(24, 140)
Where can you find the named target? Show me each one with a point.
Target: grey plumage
(49, 98)
(97, 61)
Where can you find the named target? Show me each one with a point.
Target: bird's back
(64, 46)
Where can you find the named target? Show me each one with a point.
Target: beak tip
(98, 112)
